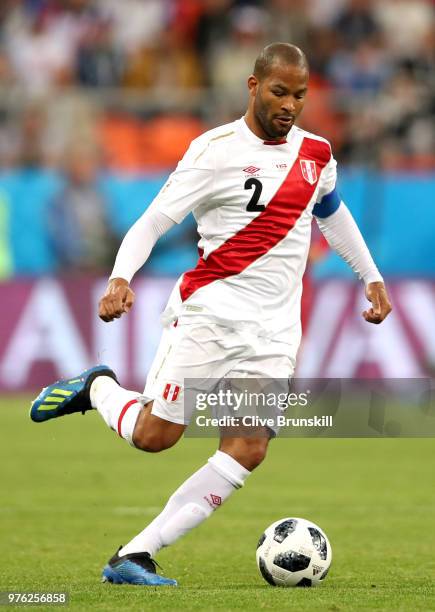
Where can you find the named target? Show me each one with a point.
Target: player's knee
(152, 441)
(248, 452)
(255, 453)
(152, 434)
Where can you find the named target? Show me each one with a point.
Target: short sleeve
(328, 199)
(189, 185)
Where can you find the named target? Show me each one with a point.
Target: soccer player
(253, 186)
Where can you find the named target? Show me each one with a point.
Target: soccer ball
(294, 552)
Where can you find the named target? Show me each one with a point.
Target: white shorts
(210, 351)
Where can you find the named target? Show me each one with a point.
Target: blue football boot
(66, 396)
(135, 568)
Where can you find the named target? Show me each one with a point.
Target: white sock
(191, 504)
(118, 407)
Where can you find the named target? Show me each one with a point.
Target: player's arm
(188, 186)
(342, 234)
(133, 253)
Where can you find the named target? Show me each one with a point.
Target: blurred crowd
(124, 85)
(135, 80)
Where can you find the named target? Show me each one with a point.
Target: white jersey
(253, 201)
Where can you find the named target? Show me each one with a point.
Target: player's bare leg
(153, 434)
(129, 414)
(248, 451)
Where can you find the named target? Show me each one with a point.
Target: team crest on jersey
(171, 392)
(309, 171)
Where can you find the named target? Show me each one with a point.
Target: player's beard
(265, 119)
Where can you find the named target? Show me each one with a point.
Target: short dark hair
(278, 52)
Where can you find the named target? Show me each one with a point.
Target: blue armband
(327, 205)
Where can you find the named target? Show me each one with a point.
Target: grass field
(72, 492)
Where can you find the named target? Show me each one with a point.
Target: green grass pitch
(72, 492)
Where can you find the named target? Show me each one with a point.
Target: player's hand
(381, 306)
(117, 299)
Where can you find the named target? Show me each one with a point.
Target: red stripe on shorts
(123, 411)
(264, 231)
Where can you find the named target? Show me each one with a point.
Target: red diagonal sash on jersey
(267, 229)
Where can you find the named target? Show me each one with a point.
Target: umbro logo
(251, 170)
(215, 501)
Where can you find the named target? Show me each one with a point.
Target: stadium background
(100, 98)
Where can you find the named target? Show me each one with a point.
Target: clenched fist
(117, 299)
(381, 306)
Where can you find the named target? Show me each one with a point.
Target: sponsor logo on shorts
(171, 392)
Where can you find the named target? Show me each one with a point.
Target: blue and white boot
(135, 568)
(66, 396)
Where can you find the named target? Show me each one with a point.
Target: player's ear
(253, 84)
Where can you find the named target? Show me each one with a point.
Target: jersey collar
(255, 139)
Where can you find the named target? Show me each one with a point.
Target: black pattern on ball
(319, 542)
(261, 540)
(305, 582)
(284, 529)
(292, 561)
(265, 572)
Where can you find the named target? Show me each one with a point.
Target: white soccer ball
(294, 552)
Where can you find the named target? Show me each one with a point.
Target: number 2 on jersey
(253, 205)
